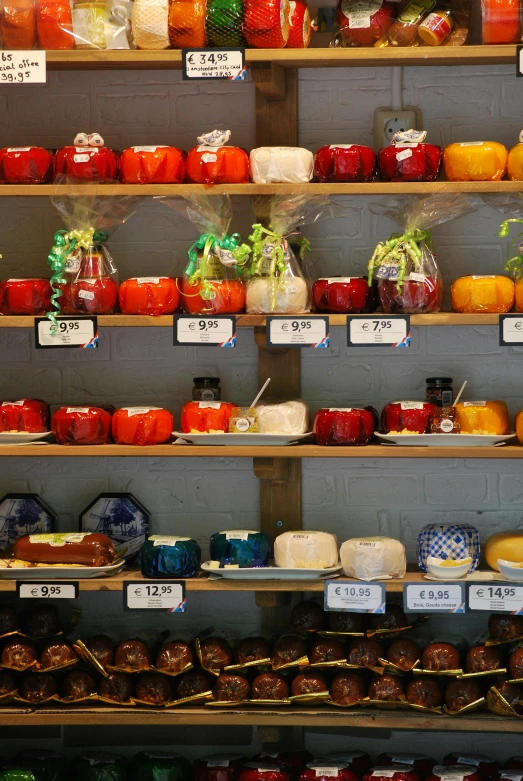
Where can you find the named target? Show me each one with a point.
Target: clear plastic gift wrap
(501, 21)
(430, 23)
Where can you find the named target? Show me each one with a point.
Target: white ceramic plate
(241, 439)
(59, 573)
(20, 437)
(271, 573)
(445, 440)
(508, 570)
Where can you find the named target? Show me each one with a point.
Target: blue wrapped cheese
(240, 548)
(448, 541)
(170, 557)
(122, 518)
(23, 514)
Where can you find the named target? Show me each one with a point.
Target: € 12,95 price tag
(60, 590)
(510, 330)
(378, 331)
(298, 332)
(166, 595)
(23, 67)
(351, 596)
(506, 598)
(71, 332)
(215, 63)
(434, 598)
(218, 331)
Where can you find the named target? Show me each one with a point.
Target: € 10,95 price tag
(23, 67)
(215, 63)
(351, 596)
(163, 595)
(218, 331)
(70, 332)
(434, 598)
(54, 590)
(298, 332)
(506, 598)
(510, 330)
(378, 331)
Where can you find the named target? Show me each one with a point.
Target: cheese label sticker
(18, 148)
(84, 410)
(483, 276)
(57, 540)
(83, 158)
(237, 535)
(326, 772)
(209, 157)
(341, 146)
(300, 537)
(209, 404)
(404, 154)
(415, 276)
(384, 773)
(148, 280)
(472, 143)
(169, 541)
(411, 405)
(474, 404)
(217, 763)
(131, 411)
(19, 403)
(330, 280)
(86, 294)
(149, 148)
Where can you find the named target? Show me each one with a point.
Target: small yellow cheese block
(455, 562)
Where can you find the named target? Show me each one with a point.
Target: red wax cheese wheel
(149, 296)
(152, 165)
(267, 25)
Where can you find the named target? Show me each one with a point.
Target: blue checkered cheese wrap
(448, 541)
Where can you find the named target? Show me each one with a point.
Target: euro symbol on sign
(338, 591)
(34, 592)
(365, 327)
(518, 325)
(192, 326)
(190, 59)
(138, 592)
(285, 327)
(480, 592)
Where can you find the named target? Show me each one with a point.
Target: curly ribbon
(399, 250)
(514, 265)
(208, 244)
(269, 246)
(65, 242)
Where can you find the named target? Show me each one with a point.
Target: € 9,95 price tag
(378, 331)
(354, 596)
(434, 598)
(298, 332)
(71, 332)
(23, 67)
(56, 590)
(218, 331)
(166, 595)
(215, 63)
(506, 598)
(510, 330)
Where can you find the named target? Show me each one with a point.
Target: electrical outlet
(387, 121)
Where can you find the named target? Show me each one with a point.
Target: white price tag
(519, 67)
(219, 331)
(354, 596)
(298, 331)
(23, 67)
(378, 330)
(71, 332)
(434, 597)
(496, 597)
(215, 63)
(166, 595)
(510, 330)
(53, 590)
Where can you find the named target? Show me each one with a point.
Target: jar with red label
(152, 165)
(344, 295)
(208, 417)
(29, 415)
(91, 286)
(345, 426)
(403, 417)
(436, 27)
(218, 767)
(87, 164)
(364, 22)
(149, 296)
(26, 165)
(25, 297)
(345, 163)
(142, 426)
(324, 770)
(81, 425)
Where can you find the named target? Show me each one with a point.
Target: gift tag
(215, 63)
(23, 67)
(168, 595)
(350, 596)
(297, 331)
(510, 330)
(378, 331)
(53, 590)
(498, 598)
(217, 331)
(71, 332)
(519, 66)
(434, 598)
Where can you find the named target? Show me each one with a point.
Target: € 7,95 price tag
(163, 595)
(71, 332)
(506, 598)
(510, 330)
(437, 598)
(54, 590)
(23, 67)
(218, 331)
(215, 63)
(298, 332)
(379, 331)
(351, 596)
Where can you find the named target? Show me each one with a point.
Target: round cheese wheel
(504, 545)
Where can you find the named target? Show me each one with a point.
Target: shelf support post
(276, 105)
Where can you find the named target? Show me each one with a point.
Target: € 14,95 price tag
(298, 332)
(434, 598)
(510, 330)
(218, 331)
(215, 63)
(506, 598)
(351, 596)
(23, 67)
(166, 595)
(70, 332)
(60, 590)
(378, 331)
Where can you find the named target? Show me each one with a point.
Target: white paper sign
(298, 331)
(215, 331)
(214, 63)
(23, 67)
(51, 590)
(434, 598)
(511, 330)
(71, 332)
(162, 595)
(354, 596)
(496, 597)
(378, 330)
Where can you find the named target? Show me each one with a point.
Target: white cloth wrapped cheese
(306, 550)
(149, 21)
(287, 417)
(274, 164)
(292, 297)
(373, 558)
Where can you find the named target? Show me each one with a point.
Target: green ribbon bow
(399, 250)
(514, 265)
(208, 244)
(268, 247)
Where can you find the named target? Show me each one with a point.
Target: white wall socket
(387, 122)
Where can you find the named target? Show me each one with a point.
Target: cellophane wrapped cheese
(277, 164)
(283, 417)
(239, 547)
(306, 550)
(373, 558)
(150, 24)
(483, 417)
(170, 557)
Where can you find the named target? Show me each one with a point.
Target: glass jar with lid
(440, 391)
(206, 389)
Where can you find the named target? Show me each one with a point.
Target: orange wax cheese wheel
(187, 23)
(475, 161)
(482, 294)
(501, 21)
(519, 427)
(515, 163)
(18, 25)
(483, 417)
(54, 24)
(519, 296)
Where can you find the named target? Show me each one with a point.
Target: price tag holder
(378, 331)
(71, 332)
(354, 596)
(434, 597)
(218, 331)
(166, 595)
(216, 63)
(496, 597)
(53, 590)
(511, 330)
(23, 67)
(519, 65)
(297, 331)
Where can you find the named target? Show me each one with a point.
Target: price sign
(350, 596)
(215, 63)
(166, 595)
(71, 332)
(510, 330)
(434, 598)
(519, 66)
(23, 67)
(378, 331)
(506, 598)
(54, 590)
(218, 331)
(298, 332)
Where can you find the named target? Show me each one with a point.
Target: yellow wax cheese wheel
(504, 545)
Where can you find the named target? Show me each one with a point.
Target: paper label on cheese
(411, 405)
(415, 276)
(368, 544)
(474, 404)
(326, 772)
(209, 157)
(149, 148)
(468, 760)
(301, 536)
(383, 772)
(341, 409)
(472, 143)
(131, 411)
(483, 276)
(83, 410)
(271, 754)
(83, 158)
(359, 13)
(404, 154)
(341, 146)
(511, 774)
(237, 535)
(19, 403)
(96, 759)
(57, 540)
(209, 404)
(404, 759)
(453, 772)
(169, 541)
(330, 280)
(87, 294)
(84, 149)
(217, 763)
(18, 148)
(148, 280)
